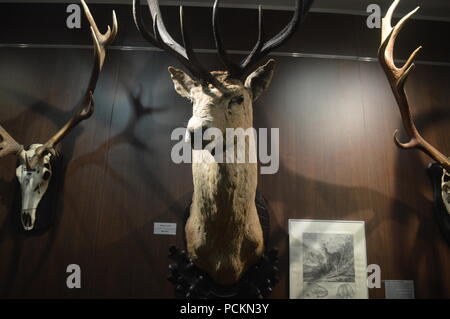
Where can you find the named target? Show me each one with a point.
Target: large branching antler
(101, 42)
(8, 145)
(185, 54)
(261, 48)
(163, 40)
(397, 78)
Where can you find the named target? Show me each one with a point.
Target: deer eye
(46, 175)
(238, 100)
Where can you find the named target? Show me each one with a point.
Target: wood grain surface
(337, 155)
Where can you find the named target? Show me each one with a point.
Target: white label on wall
(399, 289)
(164, 228)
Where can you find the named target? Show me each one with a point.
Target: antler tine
(232, 67)
(253, 56)
(87, 106)
(104, 39)
(389, 36)
(164, 36)
(8, 145)
(261, 48)
(287, 32)
(301, 9)
(194, 64)
(397, 78)
(137, 16)
(163, 40)
(386, 22)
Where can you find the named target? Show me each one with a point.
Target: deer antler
(8, 145)
(261, 49)
(101, 41)
(163, 40)
(109, 36)
(397, 78)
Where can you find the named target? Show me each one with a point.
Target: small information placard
(164, 229)
(399, 289)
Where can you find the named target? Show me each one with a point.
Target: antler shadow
(127, 136)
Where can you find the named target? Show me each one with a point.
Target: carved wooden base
(441, 214)
(46, 211)
(257, 282)
(191, 282)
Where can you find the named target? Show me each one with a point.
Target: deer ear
(259, 81)
(183, 83)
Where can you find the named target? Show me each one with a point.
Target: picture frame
(327, 259)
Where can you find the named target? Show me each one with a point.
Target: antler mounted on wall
(224, 236)
(397, 79)
(262, 48)
(185, 53)
(34, 171)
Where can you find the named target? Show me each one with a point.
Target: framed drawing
(328, 259)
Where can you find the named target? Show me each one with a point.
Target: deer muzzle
(195, 132)
(34, 183)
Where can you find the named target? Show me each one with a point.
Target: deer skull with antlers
(34, 171)
(223, 232)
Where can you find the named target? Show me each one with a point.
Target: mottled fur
(223, 233)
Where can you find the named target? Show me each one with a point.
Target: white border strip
(212, 51)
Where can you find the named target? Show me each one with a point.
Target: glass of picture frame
(327, 259)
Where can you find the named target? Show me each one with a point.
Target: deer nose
(196, 130)
(198, 133)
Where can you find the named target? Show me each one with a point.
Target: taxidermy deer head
(34, 171)
(397, 78)
(223, 233)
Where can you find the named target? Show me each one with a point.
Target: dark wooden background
(337, 157)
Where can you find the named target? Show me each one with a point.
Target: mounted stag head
(34, 170)
(223, 232)
(397, 78)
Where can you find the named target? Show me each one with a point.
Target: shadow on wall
(97, 157)
(425, 243)
(15, 240)
(10, 225)
(127, 136)
(387, 207)
(299, 193)
(426, 239)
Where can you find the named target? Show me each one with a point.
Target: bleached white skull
(34, 170)
(34, 184)
(445, 190)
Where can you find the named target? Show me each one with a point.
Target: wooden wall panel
(337, 161)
